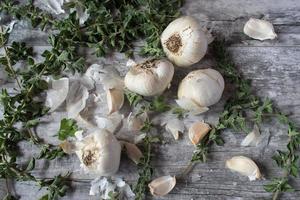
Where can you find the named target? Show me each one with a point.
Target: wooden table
(272, 65)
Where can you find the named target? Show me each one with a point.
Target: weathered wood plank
(272, 65)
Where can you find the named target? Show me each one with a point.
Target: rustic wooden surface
(272, 65)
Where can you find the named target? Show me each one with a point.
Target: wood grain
(273, 66)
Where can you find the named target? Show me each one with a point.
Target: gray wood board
(272, 65)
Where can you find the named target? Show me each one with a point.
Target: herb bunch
(111, 25)
(22, 109)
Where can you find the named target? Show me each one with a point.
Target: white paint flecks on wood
(273, 66)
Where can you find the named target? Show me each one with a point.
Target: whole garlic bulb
(99, 153)
(200, 89)
(184, 41)
(149, 78)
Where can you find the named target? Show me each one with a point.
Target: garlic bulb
(149, 78)
(184, 42)
(99, 153)
(244, 166)
(259, 29)
(162, 185)
(200, 89)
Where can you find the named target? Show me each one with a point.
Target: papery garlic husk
(76, 99)
(115, 99)
(162, 185)
(198, 131)
(244, 166)
(99, 153)
(259, 29)
(184, 41)
(200, 89)
(57, 93)
(133, 152)
(149, 78)
(111, 123)
(175, 126)
(253, 138)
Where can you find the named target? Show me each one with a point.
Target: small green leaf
(68, 128)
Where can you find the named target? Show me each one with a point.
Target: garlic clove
(198, 131)
(136, 123)
(175, 126)
(259, 29)
(244, 166)
(190, 105)
(57, 94)
(110, 123)
(115, 100)
(253, 138)
(149, 78)
(184, 41)
(133, 152)
(162, 185)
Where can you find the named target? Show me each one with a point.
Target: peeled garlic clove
(184, 41)
(175, 126)
(162, 185)
(203, 87)
(133, 152)
(149, 78)
(198, 131)
(244, 166)
(100, 153)
(57, 94)
(252, 138)
(259, 29)
(115, 100)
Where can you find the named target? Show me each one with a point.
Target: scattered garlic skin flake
(198, 131)
(259, 29)
(162, 185)
(133, 152)
(57, 94)
(115, 100)
(244, 166)
(175, 126)
(253, 138)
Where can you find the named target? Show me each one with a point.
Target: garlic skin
(149, 78)
(184, 41)
(162, 185)
(57, 94)
(200, 89)
(244, 166)
(259, 29)
(253, 138)
(175, 126)
(99, 153)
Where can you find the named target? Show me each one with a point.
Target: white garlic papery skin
(259, 29)
(202, 88)
(184, 42)
(244, 166)
(99, 153)
(150, 78)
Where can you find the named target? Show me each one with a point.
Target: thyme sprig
(22, 108)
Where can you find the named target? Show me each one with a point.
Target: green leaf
(68, 128)
(30, 165)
